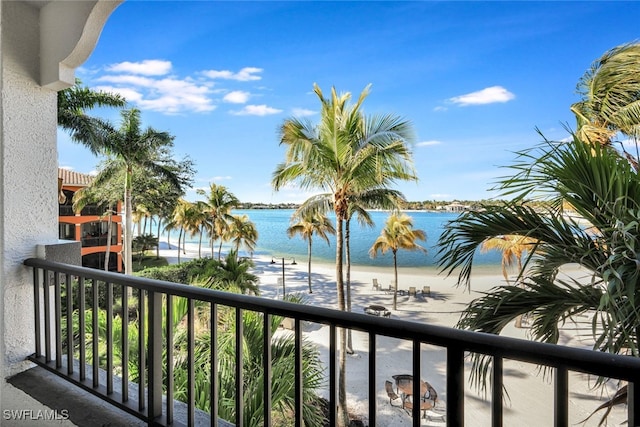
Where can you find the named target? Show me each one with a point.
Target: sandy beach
(530, 393)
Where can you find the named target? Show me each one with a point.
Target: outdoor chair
(412, 291)
(388, 386)
(426, 289)
(376, 285)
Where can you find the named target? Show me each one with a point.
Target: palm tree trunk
(200, 244)
(179, 239)
(128, 229)
(107, 252)
(347, 236)
(220, 250)
(395, 277)
(343, 413)
(158, 245)
(309, 263)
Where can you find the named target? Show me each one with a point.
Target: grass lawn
(147, 262)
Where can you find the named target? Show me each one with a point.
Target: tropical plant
(143, 243)
(129, 147)
(345, 154)
(306, 225)
(610, 92)
(398, 233)
(602, 236)
(242, 233)
(512, 248)
(220, 201)
(72, 106)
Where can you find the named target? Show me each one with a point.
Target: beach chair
(376, 285)
(388, 386)
(426, 289)
(412, 291)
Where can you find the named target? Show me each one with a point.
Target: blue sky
(474, 78)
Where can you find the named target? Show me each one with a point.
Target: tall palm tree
(242, 233)
(604, 189)
(610, 92)
(220, 202)
(129, 147)
(512, 248)
(398, 233)
(345, 154)
(306, 225)
(72, 106)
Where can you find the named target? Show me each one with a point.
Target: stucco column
(41, 44)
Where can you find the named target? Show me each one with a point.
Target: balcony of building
(59, 289)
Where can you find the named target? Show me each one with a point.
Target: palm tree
(610, 92)
(398, 233)
(512, 248)
(220, 203)
(306, 226)
(345, 154)
(604, 190)
(182, 214)
(242, 233)
(72, 105)
(129, 147)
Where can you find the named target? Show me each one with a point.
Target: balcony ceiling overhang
(69, 31)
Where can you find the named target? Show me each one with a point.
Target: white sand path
(530, 393)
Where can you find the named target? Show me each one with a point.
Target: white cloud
(428, 143)
(237, 97)
(488, 95)
(244, 75)
(256, 110)
(441, 196)
(148, 67)
(221, 178)
(303, 112)
(167, 95)
(440, 108)
(69, 168)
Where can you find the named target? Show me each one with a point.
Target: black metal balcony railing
(98, 241)
(50, 279)
(67, 210)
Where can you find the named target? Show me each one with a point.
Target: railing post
(455, 387)
(561, 397)
(496, 393)
(633, 404)
(155, 355)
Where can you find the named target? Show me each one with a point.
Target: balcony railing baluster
(69, 311)
(57, 298)
(561, 397)
(455, 386)
(82, 331)
(214, 366)
(298, 373)
(372, 379)
(333, 402)
(496, 392)
(109, 310)
(155, 355)
(95, 334)
(46, 282)
(239, 369)
(191, 398)
(456, 342)
(266, 360)
(142, 354)
(169, 367)
(125, 344)
(415, 412)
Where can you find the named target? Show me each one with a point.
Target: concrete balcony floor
(37, 396)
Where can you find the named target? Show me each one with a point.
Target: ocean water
(273, 241)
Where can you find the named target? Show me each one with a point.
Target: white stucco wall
(28, 152)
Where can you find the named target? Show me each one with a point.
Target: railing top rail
(576, 359)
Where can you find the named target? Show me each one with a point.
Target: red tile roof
(74, 178)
